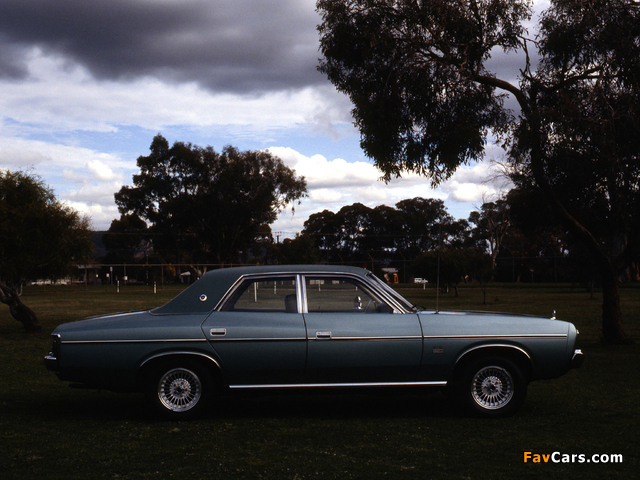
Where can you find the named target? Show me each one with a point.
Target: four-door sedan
(309, 326)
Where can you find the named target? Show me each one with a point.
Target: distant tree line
(192, 208)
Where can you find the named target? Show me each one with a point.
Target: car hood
(464, 323)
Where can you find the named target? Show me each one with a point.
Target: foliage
(356, 231)
(124, 238)
(204, 206)
(40, 238)
(298, 251)
(425, 100)
(492, 224)
(415, 72)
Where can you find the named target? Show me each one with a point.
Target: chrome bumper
(51, 363)
(578, 358)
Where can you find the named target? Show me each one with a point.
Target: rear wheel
(493, 387)
(179, 391)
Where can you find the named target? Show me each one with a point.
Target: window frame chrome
(301, 291)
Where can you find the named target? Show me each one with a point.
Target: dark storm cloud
(225, 45)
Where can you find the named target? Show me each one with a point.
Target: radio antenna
(438, 286)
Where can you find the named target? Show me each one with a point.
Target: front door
(355, 338)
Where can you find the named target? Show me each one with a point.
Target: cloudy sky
(85, 86)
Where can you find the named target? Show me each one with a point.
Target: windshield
(392, 293)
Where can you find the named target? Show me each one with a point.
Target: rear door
(258, 335)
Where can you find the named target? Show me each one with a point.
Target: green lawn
(50, 431)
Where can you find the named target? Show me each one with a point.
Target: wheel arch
(206, 361)
(514, 353)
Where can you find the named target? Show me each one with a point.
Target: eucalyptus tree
(40, 238)
(206, 207)
(426, 98)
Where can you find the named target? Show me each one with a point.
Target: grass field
(50, 431)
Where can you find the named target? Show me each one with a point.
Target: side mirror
(357, 303)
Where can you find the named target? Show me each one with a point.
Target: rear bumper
(51, 362)
(578, 358)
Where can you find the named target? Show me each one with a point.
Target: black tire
(492, 387)
(179, 390)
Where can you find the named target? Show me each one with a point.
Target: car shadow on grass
(379, 403)
(335, 404)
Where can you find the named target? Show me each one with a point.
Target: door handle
(324, 334)
(218, 332)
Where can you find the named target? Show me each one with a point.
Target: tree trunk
(19, 310)
(612, 330)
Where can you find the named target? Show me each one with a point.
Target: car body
(274, 327)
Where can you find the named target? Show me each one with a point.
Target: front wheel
(493, 387)
(179, 391)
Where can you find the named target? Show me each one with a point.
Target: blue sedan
(315, 326)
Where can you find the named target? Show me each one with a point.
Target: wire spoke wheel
(492, 387)
(179, 390)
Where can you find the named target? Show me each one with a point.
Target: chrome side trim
(166, 354)
(251, 339)
(490, 345)
(342, 385)
(415, 337)
(167, 340)
(322, 338)
(523, 335)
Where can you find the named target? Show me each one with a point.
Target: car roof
(204, 294)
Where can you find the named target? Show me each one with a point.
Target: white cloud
(100, 215)
(335, 183)
(321, 173)
(322, 196)
(53, 156)
(100, 171)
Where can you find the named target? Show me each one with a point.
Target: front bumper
(578, 358)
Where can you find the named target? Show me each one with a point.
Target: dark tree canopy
(425, 100)
(40, 238)
(124, 238)
(356, 231)
(204, 206)
(415, 72)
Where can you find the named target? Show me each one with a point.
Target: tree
(425, 100)
(40, 238)
(450, 266)
(299, 250)
(492, 223)
(204, 206)
(124, 237)
(426, 224)
(356, 232)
